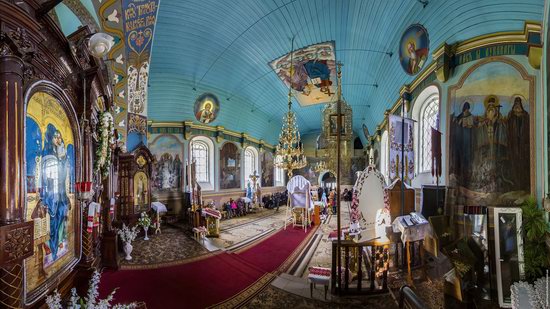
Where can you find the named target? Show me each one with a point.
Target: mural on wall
(490, 130)
(137, 131)
(167, 168)
(401, 147)
(414, 49)
(207, 107)
(230, 167)
(267, 169)
(308, 171)
(313, 74)
(50, 174)
(139, 24)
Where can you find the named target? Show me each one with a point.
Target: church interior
(274, 154)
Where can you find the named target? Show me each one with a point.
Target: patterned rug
(429, 290)
(171, 247)
(272, 297)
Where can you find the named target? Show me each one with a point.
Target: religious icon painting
(207, 108)
(333, 123)
(491, 126)
(366, 131)
(50, 196)
(311, 72)
(414, 49)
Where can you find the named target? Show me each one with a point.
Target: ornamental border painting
(50, 198)
(491, 134)
(313, 76)
(414, 49)
(207, 108)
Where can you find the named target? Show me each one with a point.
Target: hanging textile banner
(313, 73)
(401, 146)
(139, 24)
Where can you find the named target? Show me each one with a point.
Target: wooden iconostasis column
(16, 235)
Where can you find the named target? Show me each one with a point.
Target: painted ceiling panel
(224, 47)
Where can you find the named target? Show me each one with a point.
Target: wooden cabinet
(394, 192)
(134, 184)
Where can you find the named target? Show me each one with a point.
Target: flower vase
(146, 229)
(128, 250)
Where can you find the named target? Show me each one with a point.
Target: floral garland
(106, 131)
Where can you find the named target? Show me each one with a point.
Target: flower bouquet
(91, 301)
(127, 235)
(145, 222)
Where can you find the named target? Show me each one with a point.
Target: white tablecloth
(410, 230)
(158, 207)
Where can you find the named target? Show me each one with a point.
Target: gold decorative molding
(219, 131)
(535, 56)
(503, 37)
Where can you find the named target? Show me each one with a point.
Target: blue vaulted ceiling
(224, 47)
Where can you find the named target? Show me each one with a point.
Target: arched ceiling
(224, 47)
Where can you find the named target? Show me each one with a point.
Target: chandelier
(289, 151)
(320, 166)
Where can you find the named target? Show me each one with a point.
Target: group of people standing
(328, 198)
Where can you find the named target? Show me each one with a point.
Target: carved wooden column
(88, 244)
(16, 235)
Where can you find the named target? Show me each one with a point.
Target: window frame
(255, 165)
(210, 172)
(423, 149)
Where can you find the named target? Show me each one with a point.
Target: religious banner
(312, 73)
(401, 146)
(50, 201)
(491, 127)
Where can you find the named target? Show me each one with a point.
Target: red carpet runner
(205, 282)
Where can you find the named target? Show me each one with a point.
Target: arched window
(202, 153)
(279, 173)
(425, 112)
(250, 162)
(428, 121)
(199, 153)
(384, 154)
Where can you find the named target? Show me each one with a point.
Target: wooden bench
(319, 275)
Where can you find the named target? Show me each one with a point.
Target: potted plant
(534, 228)
(127, 235)
(145, 222)
(90, 301)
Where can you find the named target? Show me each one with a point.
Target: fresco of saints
(417, 57)
(53, 194)
(518, 145)
(464, 135)
(206, 114)
(492, 142)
